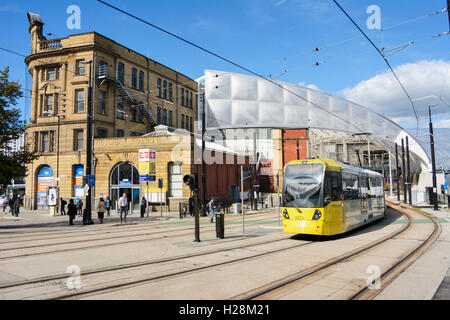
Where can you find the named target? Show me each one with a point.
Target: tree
(12, 164)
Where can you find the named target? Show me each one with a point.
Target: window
(120, 72)
(78, 139)
(182, 121)
(175, 179)
(158, 116)
(182, 96)
(170, 91)
(51, 73)
(80, 68)
(79, 100)
(136, 134)
(165, 89)
(170, 118)
(186, 101)
(44, 141)
(159, 87)
(134, 78)
(133, 112)
(120, 111)
(190, 100)
(350, 186)
(101, 102)
(141, 80)
(36, 141)
(332, 188)
(187, 123)
(192, 124)
(102, 133)
(48, 105)
(102, 69)
(120, 133)
(165, 117)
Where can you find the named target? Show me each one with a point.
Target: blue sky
(259, 34)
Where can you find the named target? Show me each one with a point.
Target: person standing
(80, 207)
(101, 208)
(143, 207)
(212, 206)
(108, 205)
(63, 207)
(71, 211)
(123, 205)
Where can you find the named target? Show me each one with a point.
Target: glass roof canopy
(242, 101)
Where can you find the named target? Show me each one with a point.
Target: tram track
(91, 241)
(42, 281)
(270, 290)
(106, 230)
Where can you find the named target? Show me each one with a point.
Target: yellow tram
(326, 197)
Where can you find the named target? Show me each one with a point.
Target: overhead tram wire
(228, 61)
(334, 44)
(385, 59)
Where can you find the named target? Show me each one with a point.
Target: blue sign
(91, 181)
(147, 178)
(445, 183)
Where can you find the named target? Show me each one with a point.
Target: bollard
(220, 225)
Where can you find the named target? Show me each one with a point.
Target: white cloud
(383, 94)
(311, 86)
(445, 123)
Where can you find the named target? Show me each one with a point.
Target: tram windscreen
(302, 185)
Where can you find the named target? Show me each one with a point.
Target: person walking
(16, 205)
(108, 205)
(211, 206)
(71, 211)
(63, 207)
(11, 202)
(123, 205)
(101, 208)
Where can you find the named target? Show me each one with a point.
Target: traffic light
(191, 181)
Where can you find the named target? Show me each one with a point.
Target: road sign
(147, 178)
(147, 155)
(91, 180)
(86, 188)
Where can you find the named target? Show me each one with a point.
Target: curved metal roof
(242, 101)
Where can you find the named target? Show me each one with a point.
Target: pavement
(428, 278)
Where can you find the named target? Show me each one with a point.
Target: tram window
(350, 186)
(332, 188)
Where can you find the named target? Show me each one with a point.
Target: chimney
(36, 31)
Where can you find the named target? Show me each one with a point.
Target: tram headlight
(285, 214)
(317, 215)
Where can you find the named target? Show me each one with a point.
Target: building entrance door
(125, 179)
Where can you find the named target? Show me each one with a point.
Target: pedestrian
(80, 207)
(108, 205)
(143, 206)
(184, 211)
(71, 211)
(17, 205)
(123, 205)
(11, 202)
(212, 206)
(63, 207)
(101, 208)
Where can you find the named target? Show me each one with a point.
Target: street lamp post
(433, 159)
(87, 217)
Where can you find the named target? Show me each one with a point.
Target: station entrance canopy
(235, 101)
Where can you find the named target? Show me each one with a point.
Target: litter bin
(220, 225)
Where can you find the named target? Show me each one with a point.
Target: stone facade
(131, 95)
